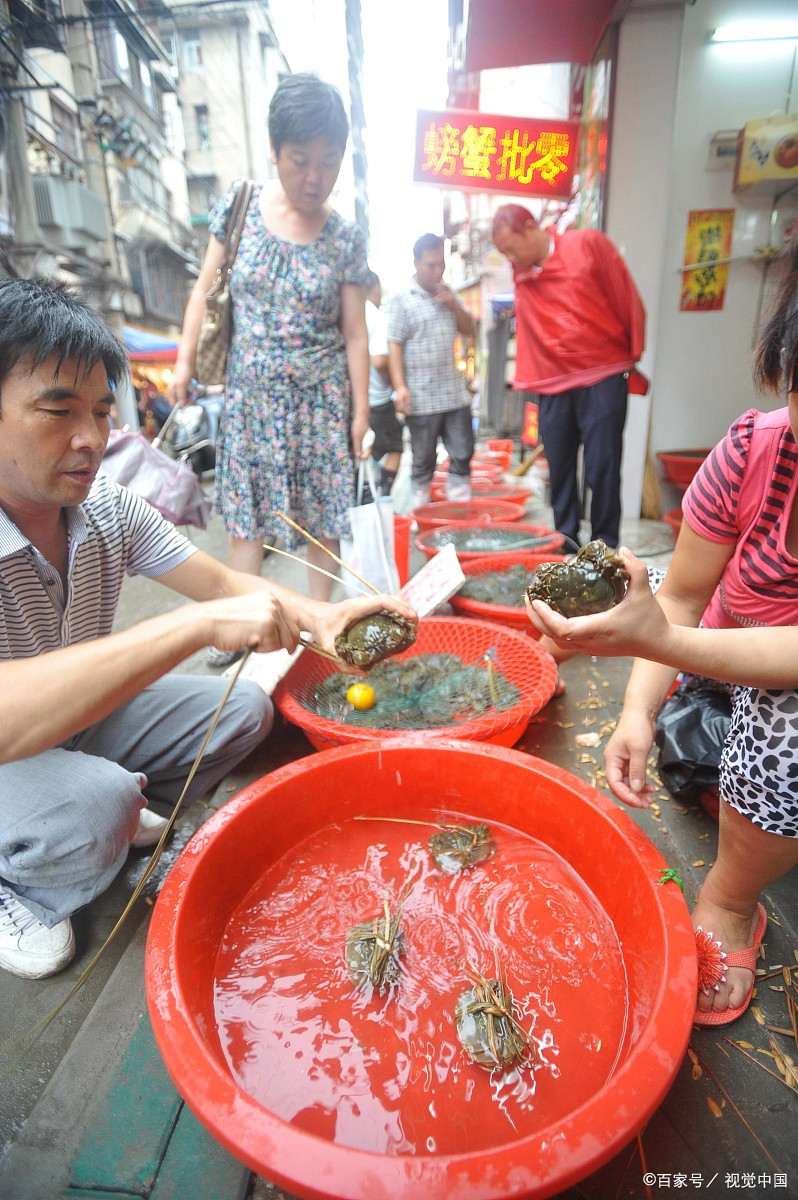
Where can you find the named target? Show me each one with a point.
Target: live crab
(593, 582)
(373, 638)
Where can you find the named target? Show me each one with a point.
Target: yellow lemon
(361, 696)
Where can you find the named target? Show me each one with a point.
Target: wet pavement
(728, 1122)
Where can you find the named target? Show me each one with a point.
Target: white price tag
(435, 583)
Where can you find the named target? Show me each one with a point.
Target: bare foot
(734, 932)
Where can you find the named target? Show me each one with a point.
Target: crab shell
(373, 638)
(593, 582)
(454, 849)
(472, 1029)
(359, 949)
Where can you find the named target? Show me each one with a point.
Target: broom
(651, 497)
(524, 466)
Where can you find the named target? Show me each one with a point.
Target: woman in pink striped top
(736, 565)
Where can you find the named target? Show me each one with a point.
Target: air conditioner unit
(69, 212)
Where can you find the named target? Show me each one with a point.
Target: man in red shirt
(580, 329)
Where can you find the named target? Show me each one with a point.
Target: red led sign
(487, 153)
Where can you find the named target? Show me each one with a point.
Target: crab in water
(373, 638)
(487, 1027)
(373, 950)
(592, 582)
(458, 846)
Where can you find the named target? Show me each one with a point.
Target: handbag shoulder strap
(235, 224)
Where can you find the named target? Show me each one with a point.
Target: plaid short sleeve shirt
(426, 331)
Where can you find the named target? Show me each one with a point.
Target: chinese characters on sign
(484, 152)
(709, 238)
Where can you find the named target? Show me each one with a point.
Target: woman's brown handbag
(216, 330)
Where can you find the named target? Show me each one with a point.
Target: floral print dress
(284, 441)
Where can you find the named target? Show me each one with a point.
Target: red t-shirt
(579, 317)
(743, 493)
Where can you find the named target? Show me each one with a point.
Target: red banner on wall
(488, 153)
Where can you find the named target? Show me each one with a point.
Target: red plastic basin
(479, 470)
(537, 538)
(679, 466)
(224, 864)
(488, 490)
(505, 614)
(503, 446)
(478, 511)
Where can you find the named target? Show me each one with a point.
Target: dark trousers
(456, 431)
(592, 417)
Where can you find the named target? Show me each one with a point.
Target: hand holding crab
(633, 627)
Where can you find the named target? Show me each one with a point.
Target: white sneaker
(222, 658)
(27, 947)
(151, 826)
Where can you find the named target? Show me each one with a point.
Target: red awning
(515, 33)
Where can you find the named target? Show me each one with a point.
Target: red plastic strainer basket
(514, 616)
(521, 660)
(516, 538)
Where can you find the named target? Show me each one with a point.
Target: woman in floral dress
(296, 396)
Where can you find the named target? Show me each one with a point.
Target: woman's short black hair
(40, 318)
(305, 107)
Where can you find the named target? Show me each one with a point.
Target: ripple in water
(385, 1071)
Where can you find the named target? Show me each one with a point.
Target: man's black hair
(372, 279)
(427, 241)
(40, 318)
(304, 107)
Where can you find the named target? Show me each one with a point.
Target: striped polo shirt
(743, 493)
(113, 533)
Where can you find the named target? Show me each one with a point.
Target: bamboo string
(311, 566)
(413, 821)
(315, 648)
(328, 551)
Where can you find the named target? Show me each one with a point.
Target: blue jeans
(68, 815)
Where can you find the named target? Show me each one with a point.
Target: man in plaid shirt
(422, 324)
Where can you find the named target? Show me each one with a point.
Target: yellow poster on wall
(709, 239)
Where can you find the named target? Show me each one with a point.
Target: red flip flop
(713, 964)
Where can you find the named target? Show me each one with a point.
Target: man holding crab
(94, 725)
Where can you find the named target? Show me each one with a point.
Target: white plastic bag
(370, 550)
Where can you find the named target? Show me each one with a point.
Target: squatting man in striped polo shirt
(93, 725)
